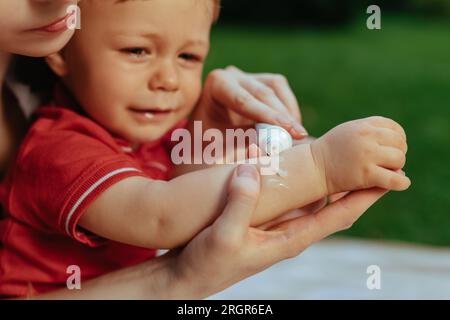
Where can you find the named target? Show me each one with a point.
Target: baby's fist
(363, 154)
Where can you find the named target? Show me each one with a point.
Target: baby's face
(135, 66)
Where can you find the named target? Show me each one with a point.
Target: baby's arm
(157, 214)
(357, 155)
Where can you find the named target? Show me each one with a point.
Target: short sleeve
(63, 166)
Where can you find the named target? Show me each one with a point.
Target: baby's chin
(145, 135)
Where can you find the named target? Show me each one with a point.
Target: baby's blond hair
(216, 8)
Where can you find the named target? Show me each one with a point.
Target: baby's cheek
(191, 97)
(194, 87)
(181, 115)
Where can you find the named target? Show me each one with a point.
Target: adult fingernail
(300, 129)
(247, 171)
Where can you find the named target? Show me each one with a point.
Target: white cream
(273, 139)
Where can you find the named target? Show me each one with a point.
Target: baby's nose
(165, 78)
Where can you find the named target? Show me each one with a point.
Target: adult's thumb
(243, 195)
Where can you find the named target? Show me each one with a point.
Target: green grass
(402, 72)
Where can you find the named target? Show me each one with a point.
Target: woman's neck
(5, 140)
(5, 59)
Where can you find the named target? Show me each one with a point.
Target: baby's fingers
(388, 123)
(391, 158)
(390, 180)
(391, 138)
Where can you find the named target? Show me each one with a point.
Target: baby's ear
(57, 63)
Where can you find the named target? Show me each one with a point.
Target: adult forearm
(152, 280)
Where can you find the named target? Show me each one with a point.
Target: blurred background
(341, 71)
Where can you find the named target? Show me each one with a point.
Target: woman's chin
(42, 45)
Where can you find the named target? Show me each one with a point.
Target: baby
(93, 182)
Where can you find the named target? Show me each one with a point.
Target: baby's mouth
(151, 113)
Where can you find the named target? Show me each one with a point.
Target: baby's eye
(138, 52)
(191, 57)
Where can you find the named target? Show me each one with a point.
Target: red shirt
(66, 161)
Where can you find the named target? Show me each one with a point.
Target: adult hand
(230, 250)
(232, 98)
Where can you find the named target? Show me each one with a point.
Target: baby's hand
(362, 154)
